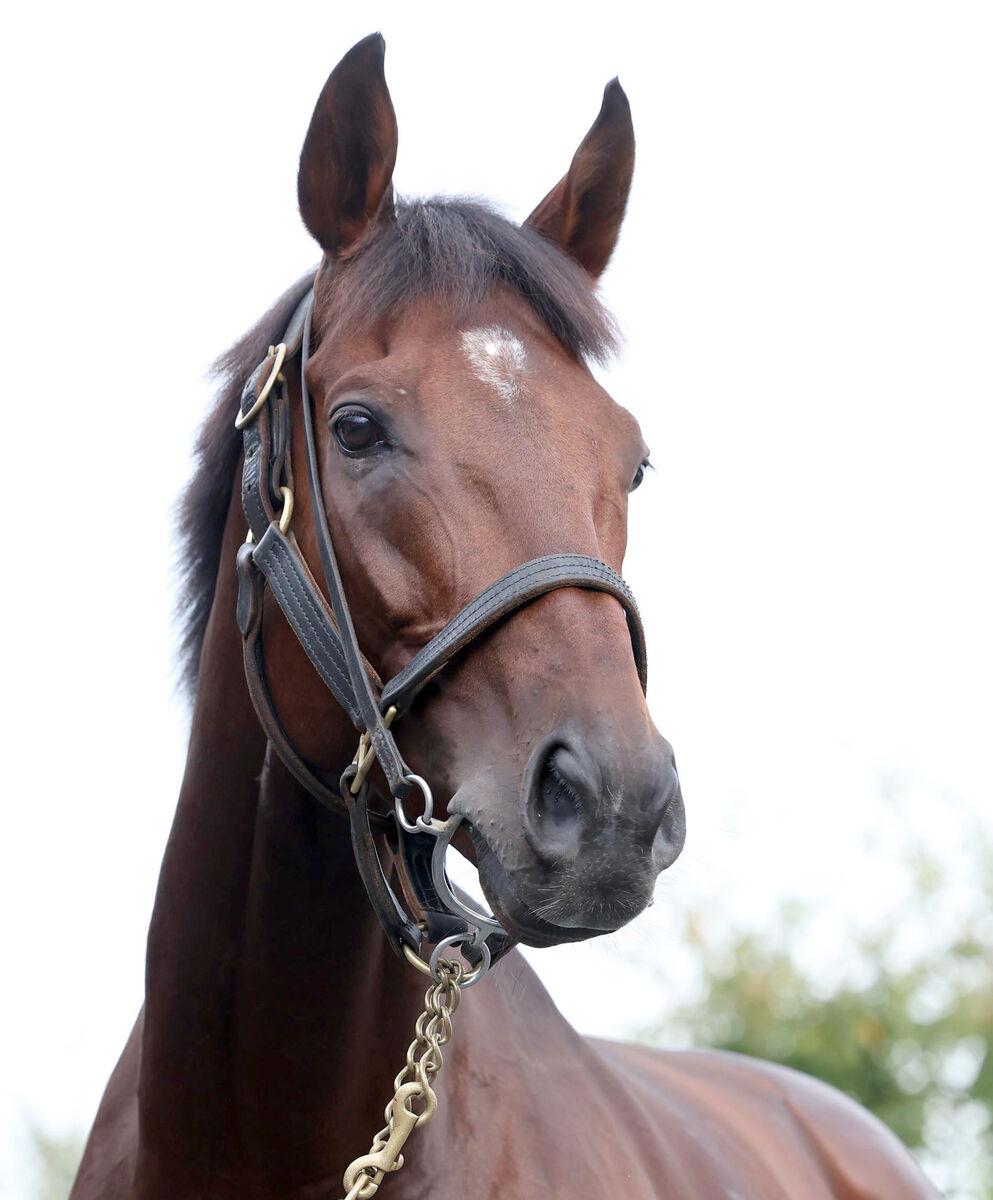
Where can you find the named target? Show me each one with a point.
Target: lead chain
(413, 1085)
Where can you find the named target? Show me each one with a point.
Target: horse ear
(584, 211)
(344, 185)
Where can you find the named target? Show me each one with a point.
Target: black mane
(455, 249)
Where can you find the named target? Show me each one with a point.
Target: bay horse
(457, 433)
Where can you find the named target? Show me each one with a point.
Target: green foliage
(911, 1040)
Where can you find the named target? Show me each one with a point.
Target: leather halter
(326, 632)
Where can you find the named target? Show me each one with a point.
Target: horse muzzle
(593, 832)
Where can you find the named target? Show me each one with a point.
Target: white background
(806, 285)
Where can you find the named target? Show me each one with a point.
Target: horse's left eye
(639, 475)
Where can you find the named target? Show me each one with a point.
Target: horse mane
(453, 248)
(203, 509)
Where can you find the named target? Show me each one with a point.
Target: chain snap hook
(403, 1122)
(414, 1084)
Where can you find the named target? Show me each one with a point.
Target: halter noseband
(272, 556)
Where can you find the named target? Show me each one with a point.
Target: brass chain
(412, 1086)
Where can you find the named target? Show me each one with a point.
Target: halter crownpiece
(324, 628)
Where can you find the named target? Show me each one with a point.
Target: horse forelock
(458, 250)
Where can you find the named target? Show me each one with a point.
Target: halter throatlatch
(271, 556)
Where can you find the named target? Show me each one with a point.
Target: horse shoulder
(107, 1169)
(767, 1130)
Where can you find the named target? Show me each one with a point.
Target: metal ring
(284, 516)
(468, 980)
(242, 419)
(425, 817)
(415, 959)
(458, 939)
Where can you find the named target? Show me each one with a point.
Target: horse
(457, 433)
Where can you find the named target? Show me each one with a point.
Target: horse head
(460, 433)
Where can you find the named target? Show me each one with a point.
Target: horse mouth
(518, 916)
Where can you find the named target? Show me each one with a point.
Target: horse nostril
(575, 800)
(559, 801)
(558, 790)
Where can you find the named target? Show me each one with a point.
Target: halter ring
(242, 419)
(287, 513)
(458, 939)
(423, 821)
(430, 969)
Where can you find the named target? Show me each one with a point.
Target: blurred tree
(54, 1159)
(910, 1040)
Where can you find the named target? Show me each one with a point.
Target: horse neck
(275, 1013)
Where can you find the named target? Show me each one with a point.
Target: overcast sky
(805, 282)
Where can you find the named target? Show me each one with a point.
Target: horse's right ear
(344, 185)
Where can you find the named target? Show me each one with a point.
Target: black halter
(326, 632)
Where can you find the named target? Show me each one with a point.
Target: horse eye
(355, 431)
(639, 475)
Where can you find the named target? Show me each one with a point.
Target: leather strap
(304, 606)
(251, 584)
(365, 699)
(509, 593)
(399, 927)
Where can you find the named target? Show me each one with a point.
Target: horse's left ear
(584, 211)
